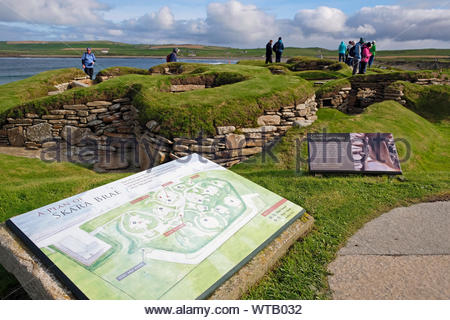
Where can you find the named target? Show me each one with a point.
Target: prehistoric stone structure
(109, 135)
(364, 92)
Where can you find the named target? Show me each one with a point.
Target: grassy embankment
(18, 92)
(239, 95)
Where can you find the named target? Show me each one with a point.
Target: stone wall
(363, 93)
(108, 135)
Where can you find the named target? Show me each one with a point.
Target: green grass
(27, 184)
(18, 92)
(431, 102)
(340, 204)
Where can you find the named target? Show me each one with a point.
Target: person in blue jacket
(173, 56)
(342, 49)
(357, 55)
(88, 61)
(278, 48)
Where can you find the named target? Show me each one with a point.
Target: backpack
(351, 53)
(168, 58)
(276, 46)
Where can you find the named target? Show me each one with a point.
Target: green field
(191, 51)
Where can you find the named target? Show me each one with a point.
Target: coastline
(126, 57)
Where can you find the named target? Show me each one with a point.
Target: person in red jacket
(365, 56)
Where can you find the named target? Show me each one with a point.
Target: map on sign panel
(176, 231)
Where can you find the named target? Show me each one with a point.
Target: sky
(394, 24)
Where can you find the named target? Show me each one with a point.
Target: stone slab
(419, 229)
(388, 277)
(34, 277)
(41, 284)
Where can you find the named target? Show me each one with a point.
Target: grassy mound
(121, 71)
(431, 102)
(331, 88)
(320, 75)
(393, 75)
(15, 93)
(239, 95)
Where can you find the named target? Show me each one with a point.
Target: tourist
(269, 52)
(349, 53)
(278, 48)
(365, 57)
(342, 49)
(172, 57)
(88, 61)
(373, 50)
(357, 55)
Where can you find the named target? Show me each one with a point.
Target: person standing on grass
(373, 50)
(269, 52)
(342, 49)
(278, 48)
(350, 52)
(357, 55)
(88, 61)
(365, 57)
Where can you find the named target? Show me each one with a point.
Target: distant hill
(110, 48)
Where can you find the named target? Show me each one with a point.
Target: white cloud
(229, 23)
(52, 12)
(405, 24)
(321, 20)
(234, 22)
(115, 32)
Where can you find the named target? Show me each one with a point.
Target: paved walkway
(403, 254)
(20, 152)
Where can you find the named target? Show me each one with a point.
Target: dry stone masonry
(363, 93)
(108, 135)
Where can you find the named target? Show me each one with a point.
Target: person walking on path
(373, 51)
(357, 55)
(342, 49)
(269, 52)
(365, 57)
(172, 57)
(278, 48)
(88, 61)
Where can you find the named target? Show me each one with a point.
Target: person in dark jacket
(357, 55)
(88, 61)
(269, 52)
(278, 48)
(173, 55)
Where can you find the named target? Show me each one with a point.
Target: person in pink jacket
(365, 56)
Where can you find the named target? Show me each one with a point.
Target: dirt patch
(186, 46)
(26, 42)
(84, 48)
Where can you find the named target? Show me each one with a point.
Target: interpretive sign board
(176, 231)
(353, 152)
